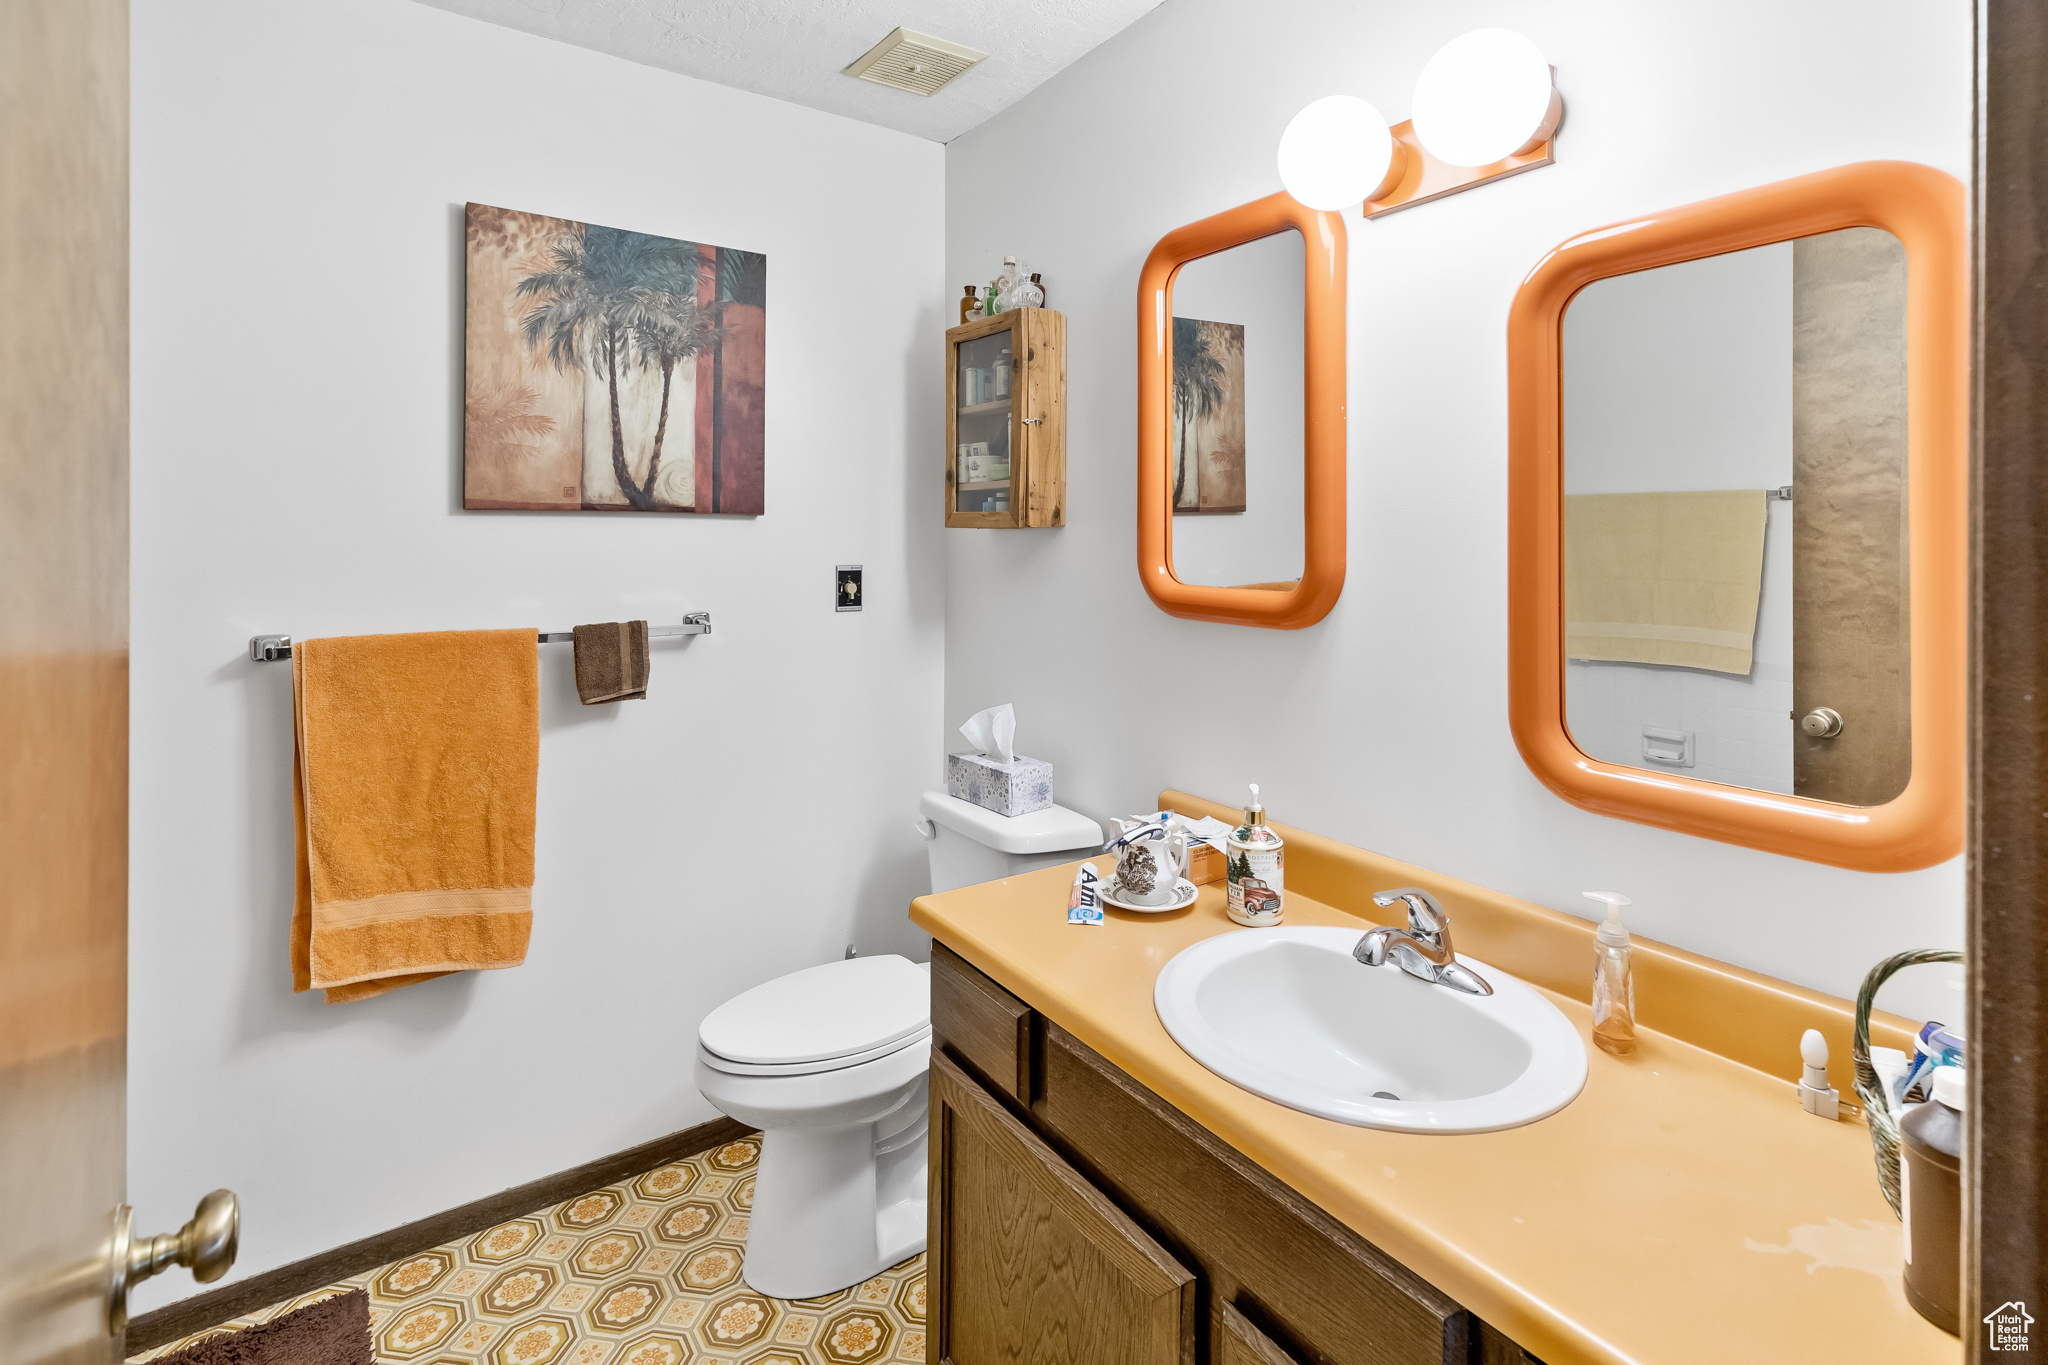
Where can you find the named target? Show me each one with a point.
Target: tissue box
(1018, 787)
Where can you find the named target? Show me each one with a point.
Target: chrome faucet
(1422, 949)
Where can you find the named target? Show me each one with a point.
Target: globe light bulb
(1484, 97)
(1336, 152)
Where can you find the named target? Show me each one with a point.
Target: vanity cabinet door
(1238, 1342)
(1028, 1261)
(1338, 1299)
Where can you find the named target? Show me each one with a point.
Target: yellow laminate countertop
(1683, 1210)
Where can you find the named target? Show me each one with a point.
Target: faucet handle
(1425, 916)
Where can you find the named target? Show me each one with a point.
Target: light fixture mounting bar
(1426, 178)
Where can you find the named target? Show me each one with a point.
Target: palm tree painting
(1208, 416)
(609, 370)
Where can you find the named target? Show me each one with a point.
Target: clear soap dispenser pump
(1614, 984)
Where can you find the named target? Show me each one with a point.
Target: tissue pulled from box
(993, 732)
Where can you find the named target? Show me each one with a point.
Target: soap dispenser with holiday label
(1254, 866)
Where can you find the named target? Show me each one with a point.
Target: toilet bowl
(831, 1064)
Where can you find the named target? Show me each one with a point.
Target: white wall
(1259, 286)
(1386, 725)
(298, 177)
(1678, 379)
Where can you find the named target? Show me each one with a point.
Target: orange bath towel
(414, 771)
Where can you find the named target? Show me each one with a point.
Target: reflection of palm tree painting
(611, 370)
(1208, 416)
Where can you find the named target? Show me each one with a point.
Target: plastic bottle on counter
(1931, 1198)
(1614, 982)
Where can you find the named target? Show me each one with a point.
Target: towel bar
(265, 649)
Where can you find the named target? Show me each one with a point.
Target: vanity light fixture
(1486, 107)
(1484, 97)
(1337, 151)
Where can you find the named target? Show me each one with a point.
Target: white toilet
(830, 1064)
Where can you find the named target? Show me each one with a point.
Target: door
(63, 670)
(1850, 632)
(1028, 1261)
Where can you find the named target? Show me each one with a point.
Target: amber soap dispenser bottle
(1614, 984)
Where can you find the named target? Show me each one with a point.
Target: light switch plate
(846, 592)
(1668, 748)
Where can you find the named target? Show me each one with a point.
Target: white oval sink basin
(1289, 1014)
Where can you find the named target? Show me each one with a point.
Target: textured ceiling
(797, 50)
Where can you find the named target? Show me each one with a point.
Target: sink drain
(1385, 1095)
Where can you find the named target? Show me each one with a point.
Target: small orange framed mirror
(1738, 518)
(1217, 433)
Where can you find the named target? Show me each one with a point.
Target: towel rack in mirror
(265, 649)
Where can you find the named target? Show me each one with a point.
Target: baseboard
(186, 1316)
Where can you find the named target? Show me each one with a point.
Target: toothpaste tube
(1084, 904)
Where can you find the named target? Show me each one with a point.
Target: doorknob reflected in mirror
(1822, 722)
(207, 1244)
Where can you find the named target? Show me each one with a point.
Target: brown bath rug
(333, 1331)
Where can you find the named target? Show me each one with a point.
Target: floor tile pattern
(645, 1272)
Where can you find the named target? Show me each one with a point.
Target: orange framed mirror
(1618, 565)
(1280, 603)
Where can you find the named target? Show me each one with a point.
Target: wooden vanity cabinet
(1096, 1192)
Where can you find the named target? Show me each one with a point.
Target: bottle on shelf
(1034, 292)
(969, 304)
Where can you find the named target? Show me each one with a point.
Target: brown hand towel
(611, 662)
(415, 775)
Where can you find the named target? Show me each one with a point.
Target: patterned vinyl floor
(645, 1272)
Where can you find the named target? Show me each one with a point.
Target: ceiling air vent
(917, 62)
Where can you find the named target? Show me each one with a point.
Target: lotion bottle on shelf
(1614, 983)
(1257, 890)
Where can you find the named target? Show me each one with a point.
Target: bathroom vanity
(1031, 1238)
(1097, 1191)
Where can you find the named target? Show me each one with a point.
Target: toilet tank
(968, 844)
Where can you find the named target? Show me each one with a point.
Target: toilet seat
(811, 1068)
(822, 1018)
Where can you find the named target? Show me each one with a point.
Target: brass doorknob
(1822, 722)
(207, 1244)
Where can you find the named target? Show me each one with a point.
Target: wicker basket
(1884, 1131)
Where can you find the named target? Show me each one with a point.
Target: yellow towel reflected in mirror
(1664, 578)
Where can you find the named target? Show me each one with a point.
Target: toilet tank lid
(1052, 830)
(822, 1012)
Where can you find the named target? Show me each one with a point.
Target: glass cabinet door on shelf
(983, 387)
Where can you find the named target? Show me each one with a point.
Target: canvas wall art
(1208, 416)
(611, 371)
